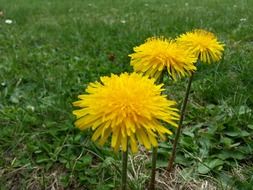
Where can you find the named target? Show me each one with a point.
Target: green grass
(54, 48)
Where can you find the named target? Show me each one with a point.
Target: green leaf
(42, 159)
(239, 133)
(203, 169)
(227, 141)
(244, 110)
(244, 134)
(235, 154)
(250, 126)
(215, 163)
(86, 160)
(188, 133)
(162, 163)
(207, 166)
(233, 133)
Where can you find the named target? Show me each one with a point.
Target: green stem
(154, 152)
(124, 170)
(183, 108)
(153, 171)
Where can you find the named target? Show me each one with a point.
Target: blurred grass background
(53, 49)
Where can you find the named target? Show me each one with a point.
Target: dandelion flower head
(158, 53)
(203, 44)
(127, 107)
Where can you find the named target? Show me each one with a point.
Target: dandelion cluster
(129, 108)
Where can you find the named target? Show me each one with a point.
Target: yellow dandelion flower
(128, 107)
(158, 53)
(203, 44)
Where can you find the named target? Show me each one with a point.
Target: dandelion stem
(153, 171)
(154, 152)
(183, 108)
(124, 170)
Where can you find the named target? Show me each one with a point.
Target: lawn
(51, 50)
